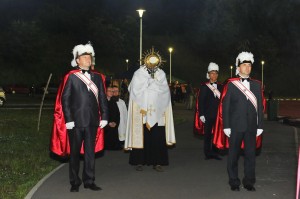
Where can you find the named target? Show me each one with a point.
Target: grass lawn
(24, 152)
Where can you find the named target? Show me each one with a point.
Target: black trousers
(208, 147)
(155, 151)
(77, 136)
(111, 139)
(235, 141)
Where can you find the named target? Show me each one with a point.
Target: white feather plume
(212, 66)
(244, 56)
(81, 49)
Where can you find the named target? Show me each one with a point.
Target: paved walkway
(189, 176)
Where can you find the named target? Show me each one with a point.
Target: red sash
(214, 90)
(246, 92)
(89, 83)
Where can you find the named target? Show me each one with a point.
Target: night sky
(37, 37)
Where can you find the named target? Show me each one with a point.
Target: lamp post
(231, 67)
(262, 72)
(127, 60)
(141, 11)
(170, 50)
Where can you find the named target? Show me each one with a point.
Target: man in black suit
(242, 109)
(111, 133)
(209, 99)
(84, 107)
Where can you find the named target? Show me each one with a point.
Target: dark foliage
(37, 37)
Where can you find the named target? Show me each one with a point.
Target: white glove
(227, 132)
(259, 132)
(202, 118)
(103, 123)
(70, 125)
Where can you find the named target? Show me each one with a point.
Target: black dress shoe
(249, 187)
(74, 188)
(92, 186)
(217, 157)
(235, 188)
(158, 168)
(139, 167)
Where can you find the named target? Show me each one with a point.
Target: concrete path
(188, 176)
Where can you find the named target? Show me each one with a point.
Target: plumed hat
(243, 57)
(212, 66)
(79, 50)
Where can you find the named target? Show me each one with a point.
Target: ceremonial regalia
(208, 107)
(240, 115)
(150, 126)
(151, 131)
(59, 138)
(80, 114)
(208, 101)
(220, 140)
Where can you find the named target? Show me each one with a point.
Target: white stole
(214, 90)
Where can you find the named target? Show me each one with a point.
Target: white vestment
(123, 119)
(149, 103)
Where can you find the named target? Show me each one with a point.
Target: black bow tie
(213, 83)
(247, 79)
(84, 71)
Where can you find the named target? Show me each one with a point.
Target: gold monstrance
(152, 60)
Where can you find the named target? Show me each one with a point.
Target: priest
(150, 126)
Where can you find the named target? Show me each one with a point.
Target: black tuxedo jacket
(114, 113)
(208, 103)
(80, 104)
(238, 113)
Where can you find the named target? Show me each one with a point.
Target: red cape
(198, 124)
(59, 143)
(220, 140)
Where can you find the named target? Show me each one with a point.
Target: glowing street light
(141, 11)
(262, 72)
(127, 60)
(231, 67)
(170, 50)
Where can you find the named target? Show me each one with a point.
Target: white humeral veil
(149, 103)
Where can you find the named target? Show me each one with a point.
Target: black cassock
(111, 134)
(155, 151)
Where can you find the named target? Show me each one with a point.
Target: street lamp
(127, 60)
(170, 50)
(141, 11)
(231, 67)
(262, 72)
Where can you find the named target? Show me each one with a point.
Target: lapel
(251, 86)
(92, 77)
